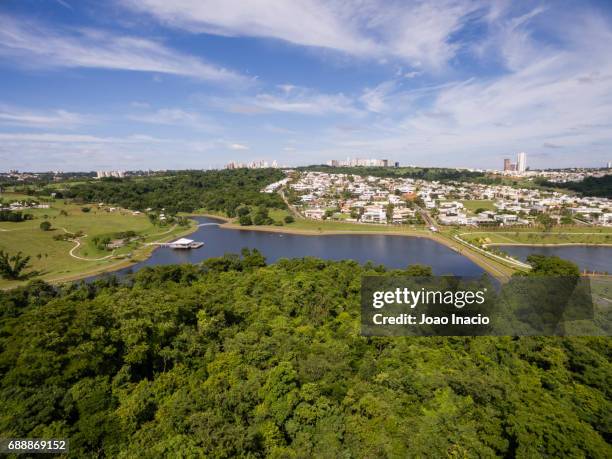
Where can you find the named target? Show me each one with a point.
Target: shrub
(245, 220)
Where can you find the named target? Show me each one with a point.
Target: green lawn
(278, 215)
(586, 235)
(472, 206)
(329, 225)
(52, 259)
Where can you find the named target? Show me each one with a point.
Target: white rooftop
(183, 241)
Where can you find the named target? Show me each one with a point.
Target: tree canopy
(236, 358)
(422, 173)
(221, 191)
(590, 186)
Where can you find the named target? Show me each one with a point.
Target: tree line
(590, 186)
(422, 173)
(14, 216)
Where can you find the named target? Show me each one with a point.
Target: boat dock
(183, 244)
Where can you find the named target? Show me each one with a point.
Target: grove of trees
(423, 173)
(14, 216)
(218, 191)
(590, 186)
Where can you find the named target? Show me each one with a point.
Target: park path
(161, 234)
(296, 213)
(165, 232)
(512, 261)
(78, 244)
(552, 233)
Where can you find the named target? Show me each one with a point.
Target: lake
(591, 258)
(391, 251)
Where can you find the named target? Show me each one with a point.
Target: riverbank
(560, 244)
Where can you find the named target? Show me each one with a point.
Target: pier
(181, 244)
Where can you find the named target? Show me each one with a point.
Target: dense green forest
(590, 186)
(236, 358)
(423, 173)
(221, 191)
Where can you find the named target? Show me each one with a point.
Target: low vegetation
(583, 235)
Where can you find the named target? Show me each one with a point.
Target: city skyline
(149, 85)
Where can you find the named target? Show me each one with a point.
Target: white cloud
(297, 100)
(176, 117)
(375, 99)
(417, 31)
(238, 146)
(75, 138)
(30, 43)
(57, 151)
(560, 101)
(54, 119)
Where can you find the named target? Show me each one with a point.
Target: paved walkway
(509, 260)
(78, 244)
(296, 213)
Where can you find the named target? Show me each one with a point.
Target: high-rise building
(106, 174)
(521, 162)
(507, 165)
(359, 162)
(609, 164)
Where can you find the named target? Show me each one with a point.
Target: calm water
(589, 258)
(391, 251)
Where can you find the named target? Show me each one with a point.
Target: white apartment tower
(521, 162)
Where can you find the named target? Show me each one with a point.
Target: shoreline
(561, 244)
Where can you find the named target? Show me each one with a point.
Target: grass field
(472, 206)
(278, 215)
(584, 235)
(328, 225)
(52, 259)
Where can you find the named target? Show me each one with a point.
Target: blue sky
(138, 84)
